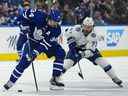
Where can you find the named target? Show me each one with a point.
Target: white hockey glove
(86, 53)
(38, 34)
(82, 54)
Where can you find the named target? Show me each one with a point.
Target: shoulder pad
(28, 14)
(69, 29)
(77, 28)
(31, 13)
(93, 35)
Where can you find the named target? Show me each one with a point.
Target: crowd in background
(104, 12)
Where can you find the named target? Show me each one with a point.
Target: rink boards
(112, 41)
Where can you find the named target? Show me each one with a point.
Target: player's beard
(85, 32)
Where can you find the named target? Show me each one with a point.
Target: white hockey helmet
(88, 21)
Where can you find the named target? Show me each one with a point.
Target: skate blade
(81, 76)
(2, 89)
(52, 87)
(120, 85)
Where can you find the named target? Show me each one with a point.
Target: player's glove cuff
(86, 54)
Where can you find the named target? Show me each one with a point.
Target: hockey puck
(20, 91)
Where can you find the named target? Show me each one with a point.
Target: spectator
(42, 6)
(3, 19)
(98, 19)
(68, 16)
(82, 11)
(13, 15)
(121, 11)
(104, 11)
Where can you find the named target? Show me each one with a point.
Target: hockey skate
(7, 86)
(117, 81)
(55, 84)
(3, 89)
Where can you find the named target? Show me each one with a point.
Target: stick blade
(82, 77)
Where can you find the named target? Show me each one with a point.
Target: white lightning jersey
(82, 41)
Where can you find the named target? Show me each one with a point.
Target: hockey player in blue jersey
(41, 38)
(24, 28)
(24, 25)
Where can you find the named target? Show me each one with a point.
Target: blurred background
(104, 12)
(110, 16)
(111, 24)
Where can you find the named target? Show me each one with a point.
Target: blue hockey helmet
(55, 15)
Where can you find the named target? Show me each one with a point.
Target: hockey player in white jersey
(82, 41)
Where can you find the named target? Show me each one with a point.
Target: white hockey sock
(104, 64)
(68, 63)
(111, 74)
(10, 84)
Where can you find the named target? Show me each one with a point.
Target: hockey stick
(34, 75)
(80, 71)
(33, 69)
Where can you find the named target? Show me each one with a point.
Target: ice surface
(96, 82)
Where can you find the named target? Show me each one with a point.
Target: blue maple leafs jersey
(36, 22)
(52, 34)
